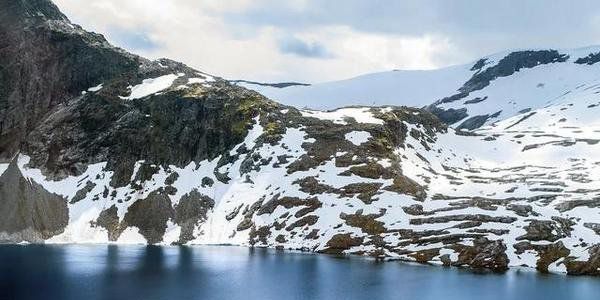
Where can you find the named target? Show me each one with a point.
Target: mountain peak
(19, 11)
(40, 48)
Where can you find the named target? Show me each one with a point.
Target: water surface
(140, 272)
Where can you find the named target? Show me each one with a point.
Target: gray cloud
(475, 27)
(320, 40)
(293, 45)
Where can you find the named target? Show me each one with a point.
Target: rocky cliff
(102, 146)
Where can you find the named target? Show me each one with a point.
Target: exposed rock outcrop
(27, 211)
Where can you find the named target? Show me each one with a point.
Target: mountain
(102, 146)
(278, 85)
(409, 88)
(468, 96)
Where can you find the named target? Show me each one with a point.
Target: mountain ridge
(45, 49)
(446, 91)
(121, 149)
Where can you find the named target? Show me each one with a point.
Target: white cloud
(377, 51)
(196, 33)
(357, 53)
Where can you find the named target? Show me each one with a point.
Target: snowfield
(410, 88)
(499, 184)
(505, 97)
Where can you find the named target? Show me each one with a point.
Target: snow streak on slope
(574, 113)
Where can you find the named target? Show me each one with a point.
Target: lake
(220, 272)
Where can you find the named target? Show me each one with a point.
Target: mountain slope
(157, 152)
(409, 88)
(468, 96)
(45, 61)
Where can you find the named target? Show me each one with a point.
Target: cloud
(358, 52)
(133, 39)
(476, 28)
(292, 45)
(321, 40)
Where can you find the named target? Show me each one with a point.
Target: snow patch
(198, 80)
(151, 86)
(3, 168)
(95, 88)
(340, 116)
(81, 231)
(358, 137)
(131, 235)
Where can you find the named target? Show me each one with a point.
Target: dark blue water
(137, 272)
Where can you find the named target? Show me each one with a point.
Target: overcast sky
(321, 40)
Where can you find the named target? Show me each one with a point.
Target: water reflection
(140, 272)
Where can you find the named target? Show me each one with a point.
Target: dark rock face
(341, 242)
(83, 192)
(476, 100)
(473, 122)
(192, 209)
(367, 223)
(171, 128)
(308, 220)
(545, 231)
(150, 216)
(590, 267)
(30, 10)
(27, 211)
(288, 202)
(45, 61)
(593, 226)
(591, 59)
(484, 254)
(548, 253)
(45, 64)
(521, 120)
(109, 220)
(479, 65)
(405, 185)
(448, 116)
(507, 66)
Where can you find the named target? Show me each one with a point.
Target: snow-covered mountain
(401, 88)
(98, 145)
(469, 96)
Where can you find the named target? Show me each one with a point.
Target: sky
(322, 40)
